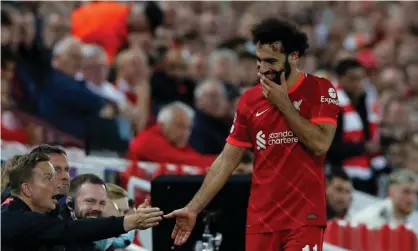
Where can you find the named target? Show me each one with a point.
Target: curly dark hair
(344, 65)
(272, 30)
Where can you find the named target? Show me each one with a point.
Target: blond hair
(6, 169)
(115, 192)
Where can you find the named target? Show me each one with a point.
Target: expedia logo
(329, 101)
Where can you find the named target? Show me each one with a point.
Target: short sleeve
(325, 104)
(239, 134)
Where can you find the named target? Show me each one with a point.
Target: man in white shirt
(394, 210)
(95, 70)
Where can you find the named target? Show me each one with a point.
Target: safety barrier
(360, 238)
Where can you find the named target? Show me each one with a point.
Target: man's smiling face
(272, 61)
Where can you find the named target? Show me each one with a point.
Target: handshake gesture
(144, 217)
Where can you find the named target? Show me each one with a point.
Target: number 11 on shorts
(308, 248)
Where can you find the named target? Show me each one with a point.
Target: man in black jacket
(26, 224)
(58, 159)
(356, 145)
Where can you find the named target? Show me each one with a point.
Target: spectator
(87, 199)
(58, 159)
(33, 187)
(65, 102)
(132, 78)
(395, 122)
(12, 127)
(412, 78)
(221, 65)
(167, 141)
(411, 154)
(118, 198)
(55, 28)
(95, 71)
(197, 67)
(356, 142)
(338, 193)
(171, 83)
(395, 154)
(209, 131)
(6, 169)
(247, 69)
(401, 202)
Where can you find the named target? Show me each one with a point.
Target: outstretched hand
(185, 221)
(275, 93)
(144, 217)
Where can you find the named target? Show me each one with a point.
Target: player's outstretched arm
(218, 174)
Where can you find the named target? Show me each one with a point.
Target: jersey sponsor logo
(275, 138)
(259, 113)
(331, 99)
(297, 104)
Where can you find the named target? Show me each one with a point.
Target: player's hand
(185, 221)
(144, 217)
(276, 94)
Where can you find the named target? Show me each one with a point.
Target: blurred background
(142, 89)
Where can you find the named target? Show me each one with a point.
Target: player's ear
(293, 57)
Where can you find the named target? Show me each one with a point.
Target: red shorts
(307, 238)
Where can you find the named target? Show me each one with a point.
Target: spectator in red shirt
(167, 141)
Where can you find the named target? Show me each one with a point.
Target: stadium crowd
(161, 81)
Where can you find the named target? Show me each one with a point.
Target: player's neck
(293, 78)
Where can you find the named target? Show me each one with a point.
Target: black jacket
(340, 150)
(208, 134)
(23, 229)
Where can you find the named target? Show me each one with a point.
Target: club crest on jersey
(297, 104)
(260, 140)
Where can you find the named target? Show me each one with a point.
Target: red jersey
(288, 185)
